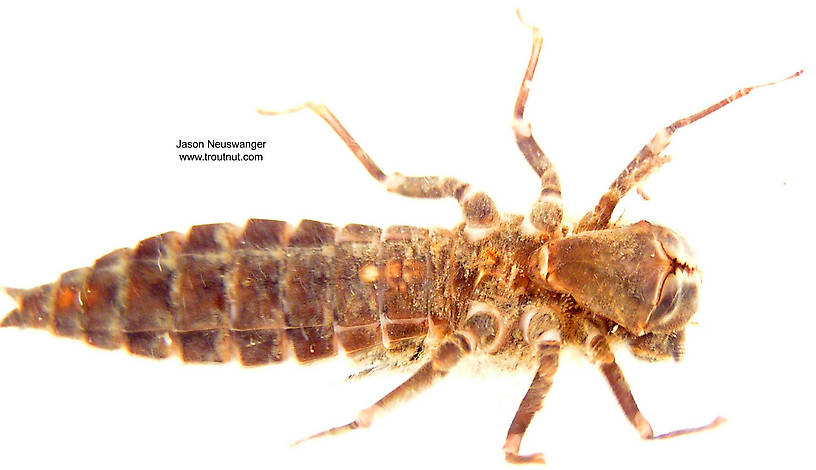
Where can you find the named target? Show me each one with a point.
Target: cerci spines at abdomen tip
(259, 294)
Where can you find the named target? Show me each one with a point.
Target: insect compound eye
(677, 302)
(679, 292)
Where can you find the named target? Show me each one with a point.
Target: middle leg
(548, 211)
(548, 348)
(540, 329)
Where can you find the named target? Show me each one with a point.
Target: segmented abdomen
(258, 293)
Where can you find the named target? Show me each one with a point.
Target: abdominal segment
(259, 294)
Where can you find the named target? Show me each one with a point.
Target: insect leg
(444, 358)
(548, 210)
(650, 159)
(548, 348)
(602, 355)
(478, 208)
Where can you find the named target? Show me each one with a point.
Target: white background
(94, 97)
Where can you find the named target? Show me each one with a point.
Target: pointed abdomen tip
(13, 318)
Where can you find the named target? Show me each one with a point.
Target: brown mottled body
(268, 291)
(494, 285)
(261, 293)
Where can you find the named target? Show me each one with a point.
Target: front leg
(600, 353)
(649, 159)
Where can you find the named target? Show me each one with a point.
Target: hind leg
(478, 208)
(443, 359)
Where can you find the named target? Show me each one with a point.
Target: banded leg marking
(649, 159)
(548, 211)
(548, 349)
(449, 353)
(478, 208)
(601, 354)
